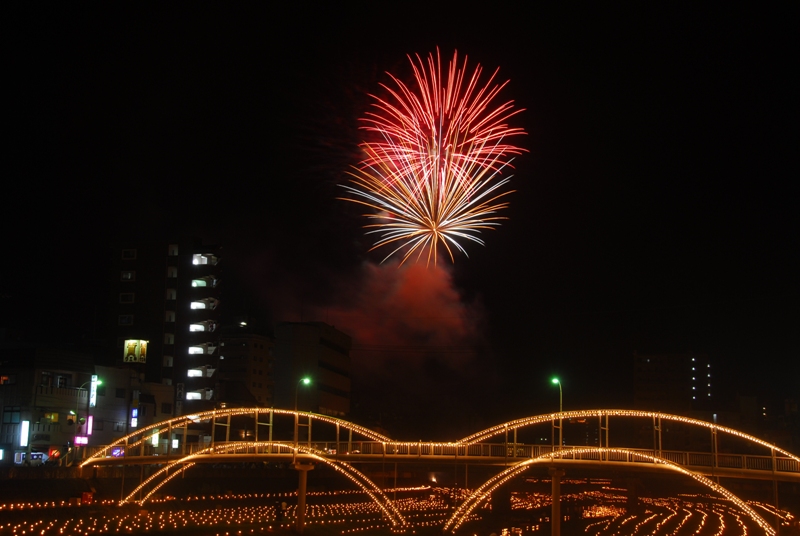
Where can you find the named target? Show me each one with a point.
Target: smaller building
(245, 367)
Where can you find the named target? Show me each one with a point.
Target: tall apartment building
(165, 300)
(320, 352)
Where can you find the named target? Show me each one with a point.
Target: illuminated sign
(23, 433)
(135, 351)
(93, 392)
(81, 440)
(89, 424)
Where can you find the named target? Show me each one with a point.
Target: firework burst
(433, 176)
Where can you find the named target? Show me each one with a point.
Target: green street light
(305, 381)
(556, 381)
(83, 388)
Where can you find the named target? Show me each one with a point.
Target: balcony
(201, 259)
(201, 372)
(206, 348)
(205, 303)
(208, 281)
(204, 326)
(70, 397)
(200, 394)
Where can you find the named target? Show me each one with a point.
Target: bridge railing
(476, 452)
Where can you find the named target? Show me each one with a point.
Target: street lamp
(556, 381)
(88, 400)
(560, 410)
(95, 382)
(305, 381)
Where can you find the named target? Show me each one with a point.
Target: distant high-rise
(320, 352)
(673, 383)
(164, 316)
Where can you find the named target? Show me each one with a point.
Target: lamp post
(560, 410)
(88, 397)
(305, 381)
(78, 423)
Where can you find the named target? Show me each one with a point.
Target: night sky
(655, 210)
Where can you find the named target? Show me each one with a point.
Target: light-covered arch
(483, 492)
(502, 428)
(141, 434)
(177, 467)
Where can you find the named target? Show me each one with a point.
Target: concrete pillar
(303, 469)
(555, 517)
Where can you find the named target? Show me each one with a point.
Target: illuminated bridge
(304, 439)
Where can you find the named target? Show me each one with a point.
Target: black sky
(656, 210)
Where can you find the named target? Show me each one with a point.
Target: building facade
(55, 403)
(245, 368)
(673, 383)
(319, 352)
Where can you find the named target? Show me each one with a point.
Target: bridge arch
(177, 467)
(462, 513)
(502, 428)
(135, 439)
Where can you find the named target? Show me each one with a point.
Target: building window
(120, 392)
(172, 294)
(167, 360)
(127, 275)
(129, 254)
(11, 414)
(101, 390)
(119, 426)
(8, 379)
(166, 408)
(169, 338)
(98, 424)
(172, 271)
(127, 297)
(125, 320)
(169, 316)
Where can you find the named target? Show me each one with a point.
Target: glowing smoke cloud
(406, 313)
